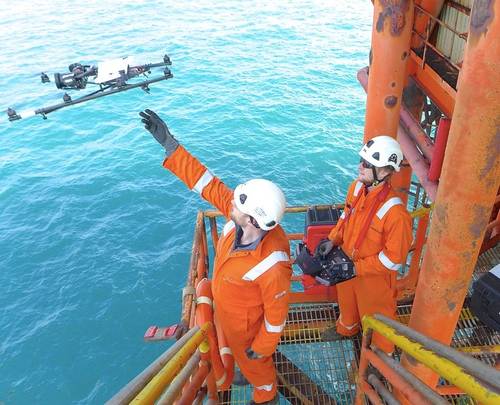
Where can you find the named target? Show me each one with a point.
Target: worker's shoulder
(393, 207)
(276, 240)
(354, 188)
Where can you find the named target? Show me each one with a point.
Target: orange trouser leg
(261, 373)
(348, 322)
(374, 294)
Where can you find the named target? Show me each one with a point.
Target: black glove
(253, 355)
(159, 130)
(324, 247)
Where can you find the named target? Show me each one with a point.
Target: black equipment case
(485, 299)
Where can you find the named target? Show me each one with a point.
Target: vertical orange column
(392, 24)
(467, 189)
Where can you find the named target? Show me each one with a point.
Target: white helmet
(262, 200)
(383, 151)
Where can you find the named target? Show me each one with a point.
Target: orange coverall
(377, 261)
(250, 287)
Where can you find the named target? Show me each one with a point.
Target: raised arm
(186, 167)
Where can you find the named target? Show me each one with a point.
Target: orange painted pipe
(396, 380)
(392, 24)
(400, 181)
(467, 190)
(439, 150)
(191, 390)
(417, 161)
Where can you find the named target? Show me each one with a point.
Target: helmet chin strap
(376, 181)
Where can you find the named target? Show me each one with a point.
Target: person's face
(365, 172)
(238, 217)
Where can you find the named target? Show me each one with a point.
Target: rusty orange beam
(468, 187)
(440, 92)
(407, 139)
(213, 230)
(392, 24)
(370, 393)
(449, 390)
(406, 286)
(191, 389)
(398, 381)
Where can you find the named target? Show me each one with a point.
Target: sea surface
(95, 235)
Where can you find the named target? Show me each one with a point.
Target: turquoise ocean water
(95, 235)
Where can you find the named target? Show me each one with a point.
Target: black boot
(331, 335)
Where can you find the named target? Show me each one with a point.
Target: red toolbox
(319, 223)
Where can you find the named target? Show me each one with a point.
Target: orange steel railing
(431, 21)
(469, 375)
(163, 380)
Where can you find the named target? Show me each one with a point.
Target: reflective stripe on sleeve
(388, 205)
(358, 187)
(265, 265)
(203, 181)
(267, 388)
(274, 328)
(227, 228)
(388, 262)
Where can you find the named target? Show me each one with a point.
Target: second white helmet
(263, 200)
(382, 151)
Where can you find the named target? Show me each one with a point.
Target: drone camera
(75, 79)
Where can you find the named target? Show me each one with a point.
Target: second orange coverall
(377, 261)
(250, 287)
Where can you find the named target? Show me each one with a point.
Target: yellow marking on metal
(445, 368)
(420, 212)
(152, 391)
(204, 347)
(489, 349)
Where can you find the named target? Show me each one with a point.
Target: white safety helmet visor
(382, 151)
(262, 200)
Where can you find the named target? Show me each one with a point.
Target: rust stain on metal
(404, 55)
(396, 11)
(481, 16)
(479, 221)
(393, 84)
(390, 101)
(493, 151)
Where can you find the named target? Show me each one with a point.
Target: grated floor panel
(312, 371)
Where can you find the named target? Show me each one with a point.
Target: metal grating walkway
(312, 371)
